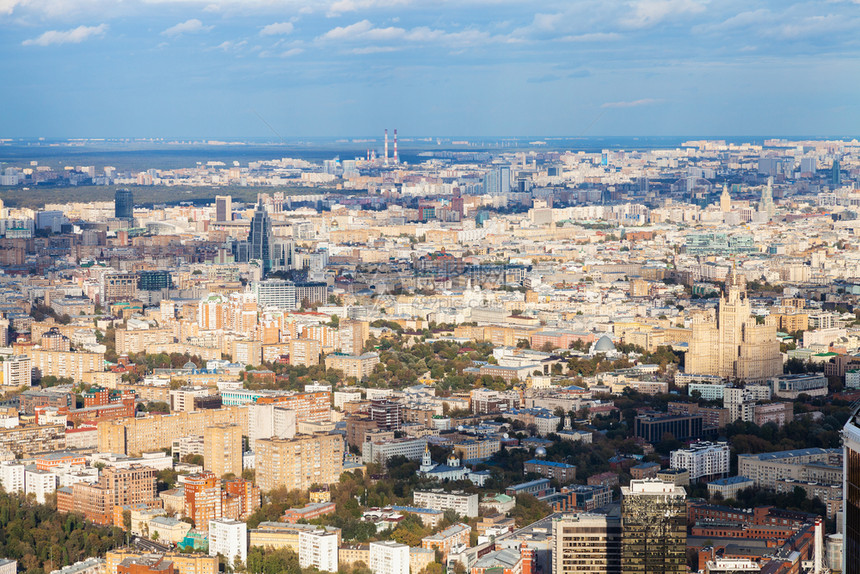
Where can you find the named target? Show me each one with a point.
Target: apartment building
(765, 469)
(304, 352)
(319, 548)
(222, 444)
(229, 538)
(300, 462)
(702, 459)
(71, 364)
(134, 485)
(203, 501)
(453, 536)
(438, 499)
(358, 366)
(133, 436)
(389, 557)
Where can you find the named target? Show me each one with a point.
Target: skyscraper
(725, 200)
(835, 173)
(223, 208)
(736, 346)
(123, 204)
(654, 528)
(260, 238)
(766, 203)
(851, 494)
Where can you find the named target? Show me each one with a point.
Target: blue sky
(214, 68)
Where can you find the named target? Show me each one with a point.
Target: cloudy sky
(246, 68)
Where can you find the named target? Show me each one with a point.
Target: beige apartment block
(133, 436)
(222, 447)
(300, 462)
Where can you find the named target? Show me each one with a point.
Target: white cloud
(191, 26)
(277, 28)
(292, 52)
(73, 36)
(647, 13)
(632, 104)
(593, 37)
(229, 46)
(364, 31)
(374, 50)
(7, 6)
(340, 6)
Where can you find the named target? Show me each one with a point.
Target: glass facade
(654, 535)
(123, 204)
(851, 493)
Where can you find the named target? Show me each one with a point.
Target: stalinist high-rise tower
(735, 346)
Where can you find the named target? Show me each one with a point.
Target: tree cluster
(41, 540)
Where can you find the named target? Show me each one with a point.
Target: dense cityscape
(510, 359)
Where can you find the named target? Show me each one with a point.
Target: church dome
(604, 345)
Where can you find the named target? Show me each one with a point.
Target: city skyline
(225, 68)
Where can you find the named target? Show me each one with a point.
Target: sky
(470, 68)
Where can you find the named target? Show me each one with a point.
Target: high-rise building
(835, 173)
(850, 497)
(260, 238)
(123, 204)
(300, 462)
(222, 444)
(318, 548)
(203, 498)
(654, 528)
(736, 346)
(134, 485)
(389, 557)
(229, 538)
(766, 204)
(725, 200)
(17, 371)
(386, 414)
(587, 542)
(223, 208)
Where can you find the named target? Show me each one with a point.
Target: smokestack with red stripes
(386, 147)
(396, 160)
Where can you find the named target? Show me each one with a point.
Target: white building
(40, 483)
(12, 477)
(343, 397)
(17, 371)
(438, 499)
(228, 538)
(318, 548)
(381, 451)
(389, 557)
(276, 293)
(707, 391)
(702, 459)
(270, 421)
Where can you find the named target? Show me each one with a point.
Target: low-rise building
(460, 502)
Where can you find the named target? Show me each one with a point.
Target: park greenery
(41, 540)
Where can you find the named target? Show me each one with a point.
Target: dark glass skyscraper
(851, 494)
(654, 528)
(123, 204)
(260, 238)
